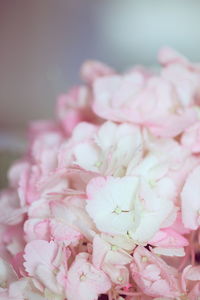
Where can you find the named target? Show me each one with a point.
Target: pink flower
(84, 281)
(104, 151)
(168, 238)
(37, 229)
(44, 261)
(134, 99)
(126, 206)
(106, 201)
(184, 75)
(74, 108)
(154, 277)
(191, 281)
(11, 212)
(112, 259)
(169, 242)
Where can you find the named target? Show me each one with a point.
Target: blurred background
(44, 42)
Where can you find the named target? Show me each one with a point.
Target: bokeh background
(43, 43)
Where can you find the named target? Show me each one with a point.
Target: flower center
(82, 277)
(120, 278)
(152, 183)
(98, 164)
(117, 210)
(144, 259)
(114, 248)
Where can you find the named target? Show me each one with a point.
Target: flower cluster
(106, 202)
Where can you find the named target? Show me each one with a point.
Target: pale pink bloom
(39, 168)
(37, 229)
(166, 151)
(43, 261)
(184, 75)
(84, 281)
(190, 201)
(89, 191)
(51, 222)
(25, 288)
(75, 220)
(63, 233)
(111, 203)
(111, 144)
(165, 157)
(82, 132)
(128, 206)
(168, 238)
(75, 107)
(112, 92)
(11, 212)
(39, 253)
(191, 281)
(111, 259)
(34, 186)
(106, 253)
(152, 103)
(92, 69)
(14, 173)
(169, 242)
(45, 150)
(37, 224)
(153, 276)
(155, 206)
(28, 184)
(39, 209)
(179, 175)
(118, 273)
(12, 288)
(185, 81)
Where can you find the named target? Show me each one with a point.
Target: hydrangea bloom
(106, 202)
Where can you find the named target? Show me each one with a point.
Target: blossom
(11, 212)
(111, 203)
(191, 281)
(184, 75)
(116, 207)
(84, 281)
(43, 260)
(153, 275)
(105, 202)
(135, 99)
(74, 107)
(112, 259)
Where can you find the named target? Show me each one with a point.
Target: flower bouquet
(105, 204)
